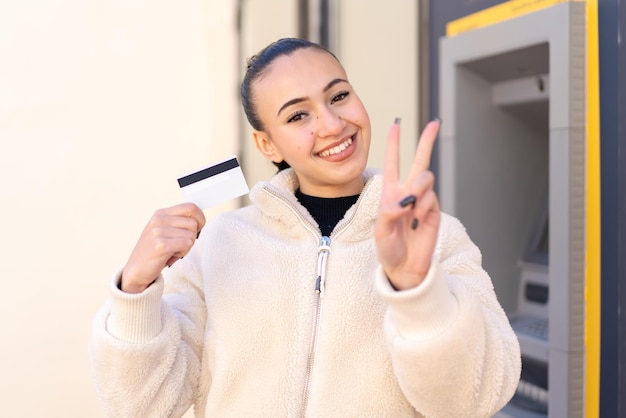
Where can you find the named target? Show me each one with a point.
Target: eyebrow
(301, 99)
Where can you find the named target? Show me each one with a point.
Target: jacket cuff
(422, 312)
(135, 317)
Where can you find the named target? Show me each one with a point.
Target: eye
(296, 116)
(339, 96)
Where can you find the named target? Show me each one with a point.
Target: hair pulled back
(256, 67)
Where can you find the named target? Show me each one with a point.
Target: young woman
(338, 292)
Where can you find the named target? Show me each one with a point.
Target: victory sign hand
(409, 215)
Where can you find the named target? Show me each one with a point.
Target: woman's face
(314, 121)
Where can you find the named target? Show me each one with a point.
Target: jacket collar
(275, 199)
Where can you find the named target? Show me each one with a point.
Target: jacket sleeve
(452, 347)
(146, 348)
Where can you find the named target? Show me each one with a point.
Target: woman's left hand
(406, 232)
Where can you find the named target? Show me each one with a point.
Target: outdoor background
(103, 104)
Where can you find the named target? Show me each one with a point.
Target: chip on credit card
(214, 184)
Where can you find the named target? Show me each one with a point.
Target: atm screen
(538, 246)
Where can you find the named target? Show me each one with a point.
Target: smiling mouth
(337, 149)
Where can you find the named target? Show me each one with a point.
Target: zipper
(323, 251)
(322, 256)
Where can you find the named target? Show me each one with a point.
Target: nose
(329, 123)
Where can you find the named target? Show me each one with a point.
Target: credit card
(214, 184)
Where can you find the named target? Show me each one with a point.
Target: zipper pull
(322, 256)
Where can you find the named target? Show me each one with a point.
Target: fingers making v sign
(409, 215)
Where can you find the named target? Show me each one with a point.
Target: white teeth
(336, 149)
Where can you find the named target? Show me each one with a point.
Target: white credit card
(214, 184)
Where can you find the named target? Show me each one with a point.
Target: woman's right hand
(168, 237)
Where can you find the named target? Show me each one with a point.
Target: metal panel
(496, 159)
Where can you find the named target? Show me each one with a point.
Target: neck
(327, 212)
(349, 189)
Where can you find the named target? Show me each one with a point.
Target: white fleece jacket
(237, 328)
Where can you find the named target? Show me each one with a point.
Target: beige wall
(378, 45)
(263, 21)
(102, 106)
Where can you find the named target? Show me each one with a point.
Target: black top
(327, 211)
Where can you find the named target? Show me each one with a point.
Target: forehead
(302, 71)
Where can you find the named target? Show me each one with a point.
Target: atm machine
(512, 169)
(530, 321)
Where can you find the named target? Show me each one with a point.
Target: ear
(266, 146)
